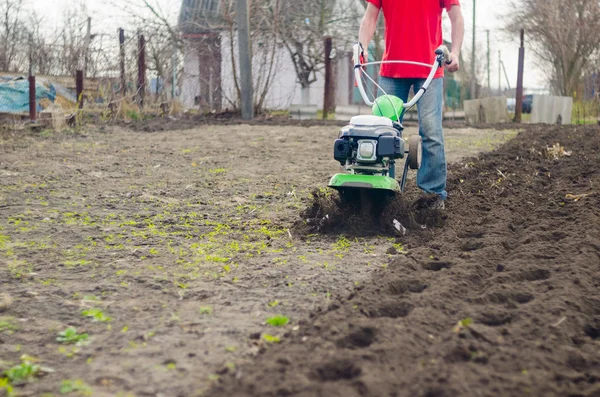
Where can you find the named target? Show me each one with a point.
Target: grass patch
(8, 325)
(278, 321)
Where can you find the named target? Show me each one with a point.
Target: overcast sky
(106, 18)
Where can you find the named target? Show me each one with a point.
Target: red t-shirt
(413, 33)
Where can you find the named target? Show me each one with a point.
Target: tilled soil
(170, 250)
(504, 300)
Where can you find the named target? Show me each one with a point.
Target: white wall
(190, 82)
(284, 89)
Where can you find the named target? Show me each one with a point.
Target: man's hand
(458, 33)
(454, 64)
(364, 55)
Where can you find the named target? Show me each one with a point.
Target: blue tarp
(14, 95)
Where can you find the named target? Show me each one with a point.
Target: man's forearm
(368, 25)
(458, 29)
(367, 31)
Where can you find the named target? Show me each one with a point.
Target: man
(413, 33)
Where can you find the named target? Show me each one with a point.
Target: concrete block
(53, 117)
(486, 110)
(303, 112)
(551, 109)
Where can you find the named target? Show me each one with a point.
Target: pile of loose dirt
(366, 213)
(503, 300)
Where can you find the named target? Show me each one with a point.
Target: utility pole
(473, 79)
(122, 61)
(245, 56)
(500, 72)
(86, 45)
(519, 99)
(489, 82)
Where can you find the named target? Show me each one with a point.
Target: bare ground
(181, 240)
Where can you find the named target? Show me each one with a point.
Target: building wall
(201, 82)
(284, 89)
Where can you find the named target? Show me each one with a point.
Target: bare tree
(564, 35)
(11, 33)
(306, 23)
(215, 38)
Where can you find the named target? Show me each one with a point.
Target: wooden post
(329, 97)
(32, 100)
(79, 88)
(122, 61)
(519, 99)
(473, 55)
(142, 70)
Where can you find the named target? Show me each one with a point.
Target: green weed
(8, 325)
(206, 310)
(278, 321)
(464, 323)
(24, 372)
(96, 314)
(7, 387)
(342, 244)
(71, 336)
(75, 386)
(271, 338)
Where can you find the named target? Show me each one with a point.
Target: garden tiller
(369, 146)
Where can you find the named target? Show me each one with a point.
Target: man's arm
(367, 27)
(458, 33)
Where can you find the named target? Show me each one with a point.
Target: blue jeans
(431, 177)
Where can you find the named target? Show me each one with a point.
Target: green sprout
(24, 372)
(6, 386)
(96, 314)
(206, 310)
(278, 321)
(70, 336)
(271, 338)
(70, 386)
(464, 323)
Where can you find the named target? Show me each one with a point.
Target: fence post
(141, 70)
(32, 100)
(122, 61)
(79, 88)
(174, 73)
(519, 99)
(329, 97)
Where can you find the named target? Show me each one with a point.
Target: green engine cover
(357, 181)
(388, 106)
